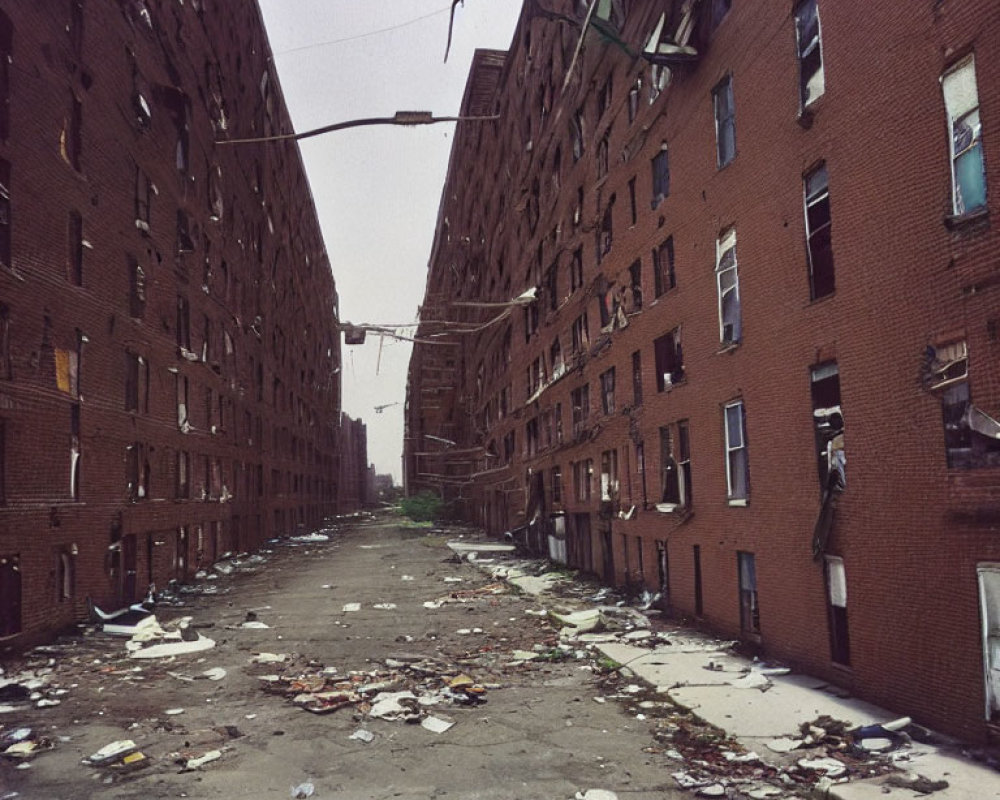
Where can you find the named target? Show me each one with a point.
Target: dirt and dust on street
(365, 661)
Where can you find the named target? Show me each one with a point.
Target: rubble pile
(405, 689)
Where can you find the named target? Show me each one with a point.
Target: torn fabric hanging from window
(968, 174)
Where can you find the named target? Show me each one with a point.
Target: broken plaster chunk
(350, 607)
(784, 745)
(831, 767)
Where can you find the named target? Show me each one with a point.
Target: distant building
(724, 314)
(169, 345)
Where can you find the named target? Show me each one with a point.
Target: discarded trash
(253, 624)
(831, 767)
(384, 606)
(303, 790)
(268, 658)
(172, 647)
(752, 680)
(173, 712)
(453, 579)
(351, 607)
(394, 705)
(362, 735)
(214, 674)
(310, 538)
(436, 724)
(204, 758)
(784, 744)
(112, 752)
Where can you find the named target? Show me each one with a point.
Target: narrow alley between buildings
(428, 673)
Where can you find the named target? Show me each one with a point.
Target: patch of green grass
(422, 507)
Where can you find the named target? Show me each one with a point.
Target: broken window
(836, 596)
(136, 383)
(608, 391)
(749, 610)
(555, 478)
(610, 11)
(5, 240)
(583, 472)
(828, 426)
(508, 447)
(10, 595)
(531, 437)
(664, 277)
(637, 378)
(604, 96)
(737, 461)
(580, 398)
(608, 305)
(552, 286)
(818, 226)
(609, 477)
(972, 437)
(536, 376)
(183, 323)
(557, 416)
(725, 121)
(185, 241)
(632, 296)
(669, 360)
(143, 194)
(632, 210)
(576, 270)
(183, 486)
(70, 138)
(137, 472)
(182, 402)
(961, 100)
(727, 280)
(530, 321)
(581, 337)
(675, 467)
(661, 176)
(633, 99)
(811, 81)
(605, 231)
(179, 107)
(556, 359)
(74, 451)
(136, 289)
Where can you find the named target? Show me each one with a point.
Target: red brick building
(722, 306)
(169, 348)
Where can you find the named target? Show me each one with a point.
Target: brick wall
(909, 274)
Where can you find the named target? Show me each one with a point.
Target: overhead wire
(413, 21)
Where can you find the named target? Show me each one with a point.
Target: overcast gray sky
(377, 189)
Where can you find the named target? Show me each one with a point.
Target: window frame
(736, 451)
(820, 236)
(722, 247)
(724, 108)
(804, 51)
(956, 116)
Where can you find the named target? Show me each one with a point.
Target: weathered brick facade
(754, 348)
(169, 382)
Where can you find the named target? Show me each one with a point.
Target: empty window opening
(580, 334)
(182, 388)
(183, 323)
(74, 451)
(811, 81)
(608, 391)
(136, 289)
(968, 174)
(818, 227)
(76, 245)
(580, 398)
(737, 460)
(828, 425)
(725, 121)
(749, 608)
(661, 176)
(637, 378)
(10, 595)
(556, 484)
(71, 137)
(185, 240)
(632, 295)
(836, 596)
(669, 358)
(664, 277)
(727, 280)
(556, 360)
(605, 231)
(183, 483)
(143, 194)
(602, 157)
(675, 467)
(136, 383)
(576, 270)
(609, 477)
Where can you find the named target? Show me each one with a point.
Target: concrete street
(540, 733)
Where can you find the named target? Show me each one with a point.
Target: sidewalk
(759, 707)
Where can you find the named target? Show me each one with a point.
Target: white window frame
(961, 100)
(804, 49)
(725, 243)
(732, 449)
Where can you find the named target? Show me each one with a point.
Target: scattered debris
(362, 735)
(303, 790)
(436, 724)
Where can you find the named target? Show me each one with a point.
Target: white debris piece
(348, 607)
(436, 724)
(596, 794)
(830, 766)
(384, 606)
(361, 735)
